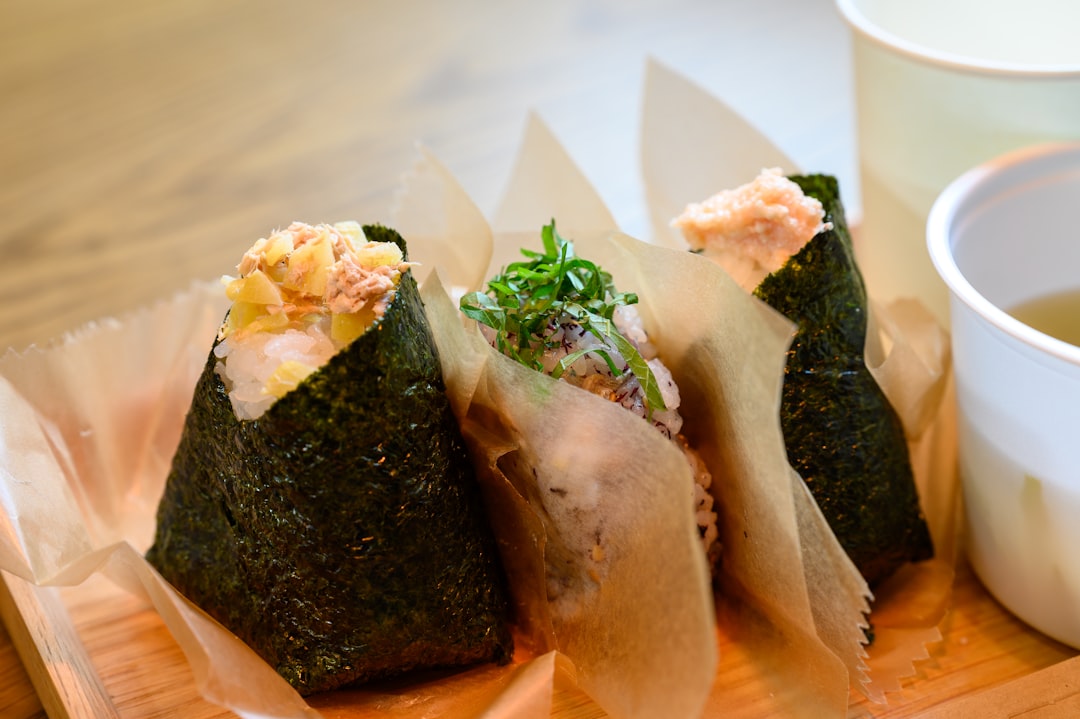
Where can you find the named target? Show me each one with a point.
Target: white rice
(253, 359)
(591, 372)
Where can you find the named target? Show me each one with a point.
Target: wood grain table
(144, 145)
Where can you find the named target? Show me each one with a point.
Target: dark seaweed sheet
(842, 435)
(341, 535)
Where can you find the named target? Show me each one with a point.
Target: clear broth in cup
(1056, 314)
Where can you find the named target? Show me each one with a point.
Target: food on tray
(560, 314)
(321, 504)
(786, 240)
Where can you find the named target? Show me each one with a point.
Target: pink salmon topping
(753, 229)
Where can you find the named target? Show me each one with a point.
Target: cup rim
(941, 219)
(858, 21)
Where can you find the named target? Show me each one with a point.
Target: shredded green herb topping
(527, 296)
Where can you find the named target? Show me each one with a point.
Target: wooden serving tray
(95, 651)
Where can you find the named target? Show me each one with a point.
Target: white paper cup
(1000, 235)
(941, 86)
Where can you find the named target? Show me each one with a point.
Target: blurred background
(144, 145)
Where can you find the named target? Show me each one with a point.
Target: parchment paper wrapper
(89, 427)
(692, 146)
(88, 431)
(786, 586)
(592, 505)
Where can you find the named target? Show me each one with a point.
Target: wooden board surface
(983, 647)
(93, 651)
(58, 663)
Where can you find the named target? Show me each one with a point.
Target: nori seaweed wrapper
(341, 534)
(842, 434)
